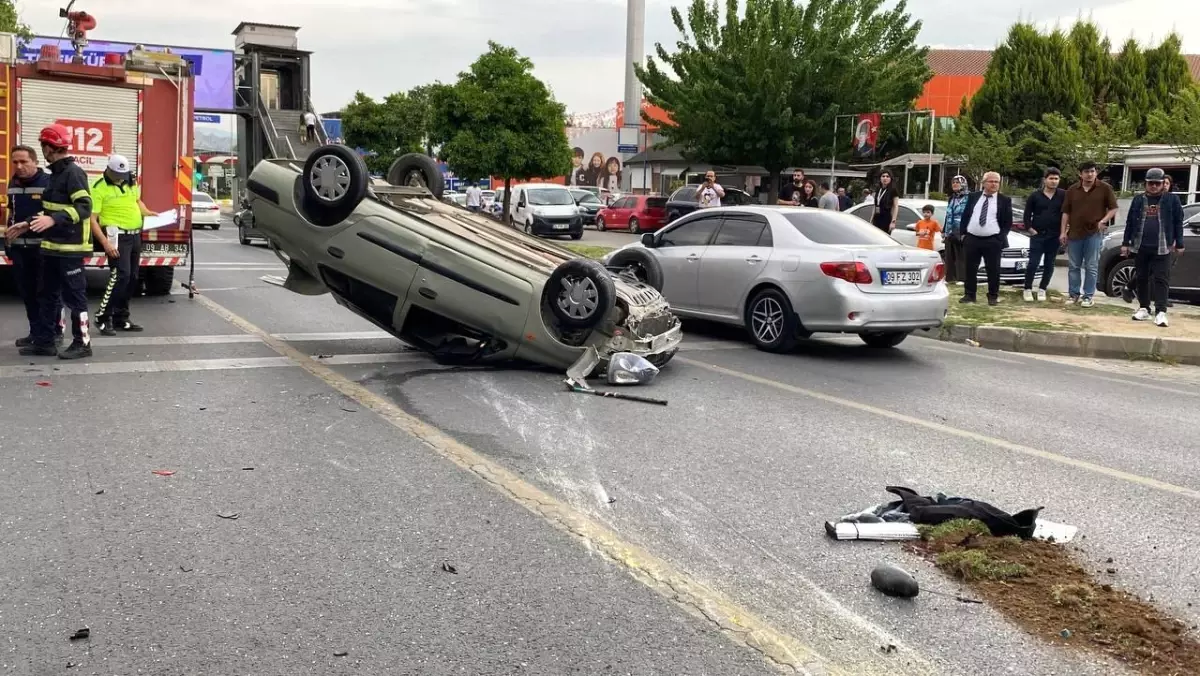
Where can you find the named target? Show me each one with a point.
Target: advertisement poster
(866, 135)
(594, 158)
(212, 68)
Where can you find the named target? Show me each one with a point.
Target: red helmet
(55, 135)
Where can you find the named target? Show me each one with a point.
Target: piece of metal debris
(100, 492)
(186, 570)
(81, 634)
(349, 410)
(247, 469)
(341, 653)
(446, 566)
(163, 472)
(575, 387)
(231, 517)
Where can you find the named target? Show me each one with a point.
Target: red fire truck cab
(138, 105)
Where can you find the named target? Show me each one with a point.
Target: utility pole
(635, 53)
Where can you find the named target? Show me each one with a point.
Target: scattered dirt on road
(1040, 587)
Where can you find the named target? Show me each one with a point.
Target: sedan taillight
(938, 273)
(853, 272)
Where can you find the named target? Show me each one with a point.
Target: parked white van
(545, 210)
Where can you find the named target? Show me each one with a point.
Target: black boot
(128, 326)
(77, 350)
(27, 340)
(33, 350)
(105, 327)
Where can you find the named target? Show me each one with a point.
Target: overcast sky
(577, 46)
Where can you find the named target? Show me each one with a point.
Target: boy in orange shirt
(927, 227)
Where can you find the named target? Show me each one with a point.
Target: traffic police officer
(118, 209)
(64, 225)
(24, 248)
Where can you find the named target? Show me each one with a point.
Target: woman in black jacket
(808, 195)
(887, 204)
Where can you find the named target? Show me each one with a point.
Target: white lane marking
(344, 335)
(245, 268)
(58, 368)
(389, 358)
(230, 263)
(142, 341)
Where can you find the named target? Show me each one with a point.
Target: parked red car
(637, 213)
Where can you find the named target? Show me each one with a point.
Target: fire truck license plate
(157, 249)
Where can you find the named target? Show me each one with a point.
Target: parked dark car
(243, 220)
(589, 205)
(1116, 272)
(683, 201)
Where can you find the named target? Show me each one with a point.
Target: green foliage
(976, 564)
(1057, 141)
(1128, 89)
(1030, 75)
(390, 127)
(982, 150)
(10, 22)
(761, 85)
(500, 120)
(1094, 52)
(953, 530)
(422, 99)
(1167, 73)
(1181, 127)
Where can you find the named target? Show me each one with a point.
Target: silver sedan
(785, 273)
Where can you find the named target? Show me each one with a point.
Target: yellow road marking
(734, 621)
(953, 431)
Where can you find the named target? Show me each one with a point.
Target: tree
(980, 150)
(500, 120)
(422, 98)
(10, 22)
(1063, 143)
(1167, 73)
(1181, 127)
(1094, 52)
(763, 86)
(388, 128)
(1030, 75)
(1128, 89)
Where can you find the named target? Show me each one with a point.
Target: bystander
(1043, 218)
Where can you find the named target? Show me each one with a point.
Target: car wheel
(157, 281)
(634, 226)
(883, 339)
(528, 228)
(417, 171)
(216, 226)
(772, 324)
(333, 184)
(1118, 277)
(242, 238)
(577, 235)
(645, 266)
(600, 224)
(580, 293)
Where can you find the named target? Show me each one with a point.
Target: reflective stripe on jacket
(67, 201)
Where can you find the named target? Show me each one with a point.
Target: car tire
(1118, 277)
(157, 281)
(646, 266)
(580, 293)
(634, 226)
(883, 339)
(599, 224)
(417, 170)
(528, 228)
(216, 227)
(577, 236)
(242, 239)
(333, 184)
(771, 322)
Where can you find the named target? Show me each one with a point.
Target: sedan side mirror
(648, 240)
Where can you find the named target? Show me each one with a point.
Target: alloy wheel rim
(1121, 278)
(766, 320)
(579, 297)
(330, 178)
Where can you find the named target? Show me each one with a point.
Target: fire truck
(137, 104)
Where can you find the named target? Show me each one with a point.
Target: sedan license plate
(561, 226)
(162, 249)
(901, 277)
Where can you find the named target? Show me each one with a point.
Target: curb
(1071, 344)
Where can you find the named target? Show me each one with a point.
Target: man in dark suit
(987, 219)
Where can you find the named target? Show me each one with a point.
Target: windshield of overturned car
(549, 197)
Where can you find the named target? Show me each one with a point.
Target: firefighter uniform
(116, 203)
(64, 247)
(25, 252)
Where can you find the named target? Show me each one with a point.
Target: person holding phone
(710, 192)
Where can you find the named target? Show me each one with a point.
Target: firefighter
(65, 227)
(24, 248)
(118, 209)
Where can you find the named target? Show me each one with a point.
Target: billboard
(212, 68)
(594, 158)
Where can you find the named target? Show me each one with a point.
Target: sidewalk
(1056, 327)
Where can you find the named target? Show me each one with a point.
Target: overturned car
(441, 278)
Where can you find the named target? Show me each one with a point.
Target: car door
(1185, 273)
(679, 249)
(371, 263)
(522, 209)
(729, 265)
(623, 208)
(906, 226)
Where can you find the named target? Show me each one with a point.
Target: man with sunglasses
(1153, 234)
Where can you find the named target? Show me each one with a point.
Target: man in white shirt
(474, 197)
(710, 192)
(310, 125)
(987, 219)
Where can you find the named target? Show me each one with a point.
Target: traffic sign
(204, 117)
(215, 170)
(627, 149)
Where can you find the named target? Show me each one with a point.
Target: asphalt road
(346, 519)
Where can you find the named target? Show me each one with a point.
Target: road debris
(185, 570)
(349, 410)
(574, 387)
(232, 517)
(99, 492)
(163, 472)
(42, 383)
(894, 581)
(626, 368)
(341, 653)
(247, 469)
(81, 634)
(447, 567)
